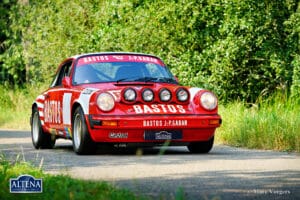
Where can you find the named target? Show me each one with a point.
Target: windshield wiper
(146, 79)
(165, 80)
(170, 80)
(125, 79)
(156, 79)
(149, 79)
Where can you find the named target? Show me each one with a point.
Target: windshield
(100, 72)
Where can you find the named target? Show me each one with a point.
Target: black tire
(201, 147)
(40, 139)
(82, 142)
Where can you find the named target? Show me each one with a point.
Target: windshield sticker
(119, 58)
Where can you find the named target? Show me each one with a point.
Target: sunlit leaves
(239, 49)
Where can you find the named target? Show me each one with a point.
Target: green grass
(15, 106)
(57, 186)
(270, 124)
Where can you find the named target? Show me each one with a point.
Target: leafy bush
(5, 99)
(239, 49)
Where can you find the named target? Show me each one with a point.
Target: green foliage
(5, 100)
(295, 89)
(5, 9)
(293, 39)
(57, 187)
(239, 49)
(12, 69)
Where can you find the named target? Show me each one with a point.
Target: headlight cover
(208, 101)
(182, 95)
(148, 95)
(105, 102)
(165, 95)
(130, 95)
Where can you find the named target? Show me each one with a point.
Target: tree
(12, 70)
(239, 49)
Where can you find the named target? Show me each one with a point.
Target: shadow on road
(220, 185)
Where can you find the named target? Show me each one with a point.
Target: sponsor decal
(61, 133)
(116, 94)
(143, 59)
(164, 123)
(25, 184)
(87, 91)
(119, 58)
(118, 135)
(68, 132)
(52, 111)
(91, 59)
(158, 108)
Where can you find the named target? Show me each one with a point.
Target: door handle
(46, 96)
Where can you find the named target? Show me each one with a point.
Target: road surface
(224, 173)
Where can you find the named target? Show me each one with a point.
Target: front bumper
(132, 129)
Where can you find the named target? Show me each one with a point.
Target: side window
(64, 71)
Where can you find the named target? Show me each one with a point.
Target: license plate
(163, 135)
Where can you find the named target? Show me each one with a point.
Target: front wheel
(82, 142)
(201, 147)
(40, 140)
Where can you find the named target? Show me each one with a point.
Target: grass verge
(15, 106)
(270, 124)
(57, 186)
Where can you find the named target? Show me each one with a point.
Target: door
(54, 100)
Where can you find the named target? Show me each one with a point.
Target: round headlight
(148, 95)
(165, 95)
(130, 94)
(182, 95)
(106, 101)
(208, 101)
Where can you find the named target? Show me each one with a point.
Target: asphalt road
(224, 173)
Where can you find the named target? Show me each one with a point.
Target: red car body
(143, 104)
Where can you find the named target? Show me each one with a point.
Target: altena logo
(25, 184)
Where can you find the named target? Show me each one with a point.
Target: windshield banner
(118, 58)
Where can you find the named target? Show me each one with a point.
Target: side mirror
(176, 78)
(66, 82)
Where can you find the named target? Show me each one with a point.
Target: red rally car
(122, 98)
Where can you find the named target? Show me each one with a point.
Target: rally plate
(163, 135)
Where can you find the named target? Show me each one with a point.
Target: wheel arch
(74, 107)
(33, 106)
